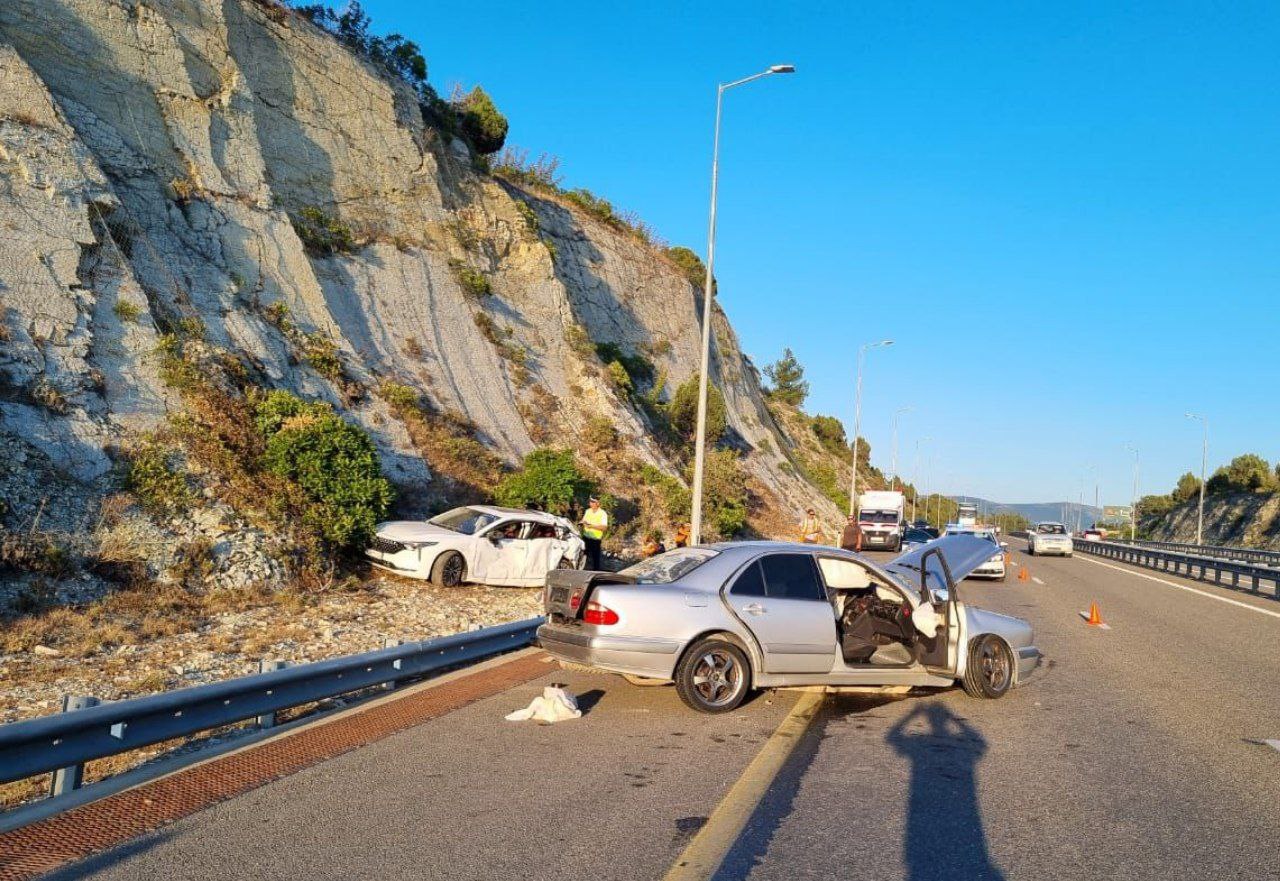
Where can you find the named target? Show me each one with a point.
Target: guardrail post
(268, 720)
(391, 643)
(69, 778)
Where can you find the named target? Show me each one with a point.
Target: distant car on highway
(1092, 535)
(504, 547)
(994, 567)
(915, 537)
(722, 619)
(1049, 538)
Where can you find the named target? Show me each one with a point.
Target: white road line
(1036, 580)
(1203, 593)
(1274, 744)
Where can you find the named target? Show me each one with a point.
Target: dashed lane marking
(1188, 588)
(702, 858)
(1036, 580)
(1274, 744)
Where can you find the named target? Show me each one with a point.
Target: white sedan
(994, 567)
(504, 547)
(1049, 538)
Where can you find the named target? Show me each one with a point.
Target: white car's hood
(413, 530)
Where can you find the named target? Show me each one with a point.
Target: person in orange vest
(595, 523)
(810, 528)
(681, 539)
(652, 546)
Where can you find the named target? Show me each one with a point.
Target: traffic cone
(1007, 557)
(1094, 618)
(1023, 574)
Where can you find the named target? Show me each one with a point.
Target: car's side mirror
(494, 537)
(1005, 545)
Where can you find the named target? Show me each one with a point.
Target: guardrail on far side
(1247, 577)
(1222, 552)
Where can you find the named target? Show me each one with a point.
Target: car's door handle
(753, 609)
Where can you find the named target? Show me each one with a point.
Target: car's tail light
(598, 614)
(575, 600)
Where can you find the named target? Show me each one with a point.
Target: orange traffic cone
(1094, 618)
(1023, 574)
(1007, 557)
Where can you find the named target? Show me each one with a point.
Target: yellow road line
(711, 845)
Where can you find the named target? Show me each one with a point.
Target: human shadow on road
(945, 837)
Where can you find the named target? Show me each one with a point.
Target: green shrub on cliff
(482, 124)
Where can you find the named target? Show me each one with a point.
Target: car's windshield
(878, 516)
(918, 535)
(668, 567)
(1051, 529)
(468, 521)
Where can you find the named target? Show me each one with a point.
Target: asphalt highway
(1136, 752)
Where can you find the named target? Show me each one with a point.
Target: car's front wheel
(449, 570)
(713, 676)
(990, 671)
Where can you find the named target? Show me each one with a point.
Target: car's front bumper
(1060, 548)
(879, 539)
(640, 656)
(1029, 659)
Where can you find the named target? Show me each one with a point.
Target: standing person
(652, 546)
(851, 537)
(595, 523)
(681, 539)
(810, 528)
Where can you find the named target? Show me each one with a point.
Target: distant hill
(1036, 511)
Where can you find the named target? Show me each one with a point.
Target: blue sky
(1066, 215)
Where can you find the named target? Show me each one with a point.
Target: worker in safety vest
(595, 523)
(810, 528)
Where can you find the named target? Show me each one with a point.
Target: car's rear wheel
(990, 671)
(449, 570)
(713, 676)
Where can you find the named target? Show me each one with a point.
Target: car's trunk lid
(568, 591)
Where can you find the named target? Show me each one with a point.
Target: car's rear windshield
(1051, 529)
(668, 567)
(468, 521)
(878, 516)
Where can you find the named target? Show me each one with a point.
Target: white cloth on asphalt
(555, 705)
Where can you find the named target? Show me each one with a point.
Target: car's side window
(792, 577)
(749, 583)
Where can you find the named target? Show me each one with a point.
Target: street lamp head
(885, 343)
(782, 68)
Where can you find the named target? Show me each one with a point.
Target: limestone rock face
(155, 156)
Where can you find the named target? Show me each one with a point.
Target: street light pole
(1204, 459)
(915, 476)
(893, 461)
(700, 442)
(1133, 506)
(857, 422)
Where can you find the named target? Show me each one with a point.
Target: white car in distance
(1049, 538)
(482, 544)
(994, 567)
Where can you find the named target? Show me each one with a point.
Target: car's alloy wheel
(990, 670)
(449, 570)
(713, 676)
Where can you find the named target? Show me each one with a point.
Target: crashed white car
(483, 544)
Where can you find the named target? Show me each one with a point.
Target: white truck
(880, 519)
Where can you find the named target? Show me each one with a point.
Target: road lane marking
(1274, 744)
(702, 858)
(1036, 580)
(1188, 588)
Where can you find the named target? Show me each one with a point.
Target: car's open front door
(938, 586)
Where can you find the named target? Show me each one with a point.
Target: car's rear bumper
(641, 656)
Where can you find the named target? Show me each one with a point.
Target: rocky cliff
(222, 170)
(1249, 520)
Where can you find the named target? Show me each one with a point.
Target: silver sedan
(722, 619)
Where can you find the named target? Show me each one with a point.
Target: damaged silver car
(722, 619)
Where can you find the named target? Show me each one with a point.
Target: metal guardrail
(64, 742)
(1240, 576)
(1222, 552)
